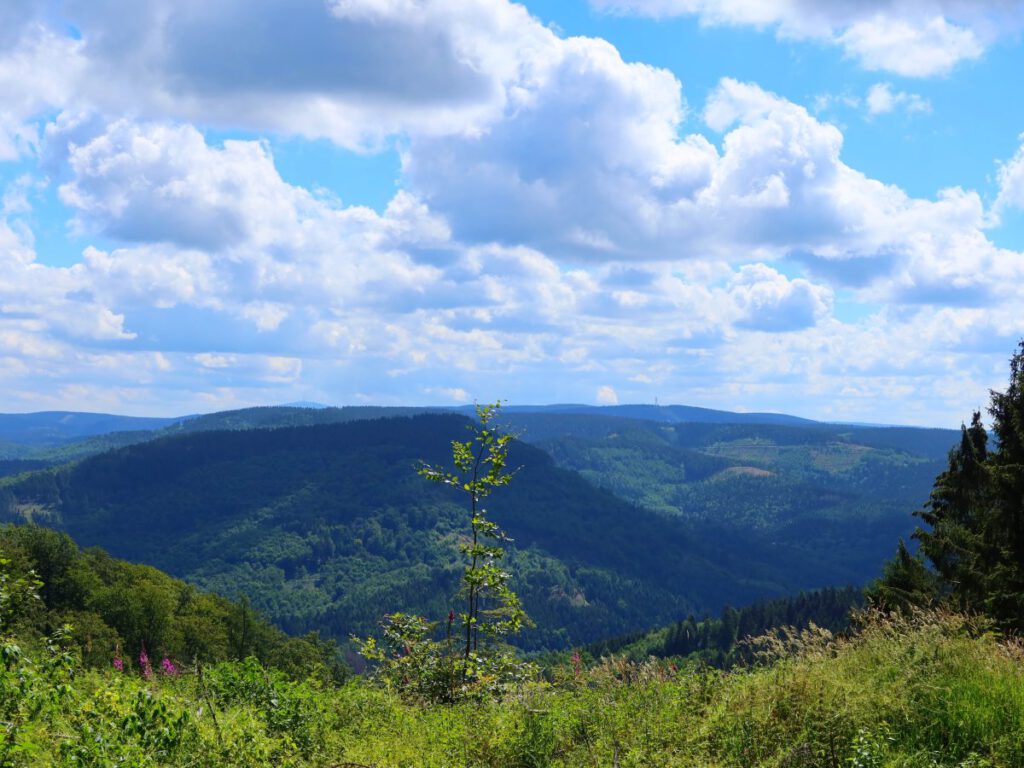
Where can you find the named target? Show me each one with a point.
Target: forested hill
(668, 414)
(117, 610)
(57, 437)
(25, 432)
(328, 527)
(823, 489)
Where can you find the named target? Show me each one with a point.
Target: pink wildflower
(576, 663)
(168, 667)
(118, 661)
(147, 670)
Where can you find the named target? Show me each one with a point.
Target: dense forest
(720, 641)
(634, 524)
(116, 608)
(322, 525)
(971, 553)
(818, 488)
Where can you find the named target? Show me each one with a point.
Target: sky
(788, 205)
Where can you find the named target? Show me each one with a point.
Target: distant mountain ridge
(663, 413)
(53, 427)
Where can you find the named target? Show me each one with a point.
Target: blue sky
(789, 205)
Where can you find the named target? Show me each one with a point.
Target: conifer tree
(974, 542)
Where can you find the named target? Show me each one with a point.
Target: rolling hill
(828, 490)
(326, 527)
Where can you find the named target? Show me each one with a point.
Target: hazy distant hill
(55, 427)
(662, 413)
(57, 437)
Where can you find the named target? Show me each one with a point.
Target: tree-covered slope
(56, 438)
(117, 610)
(328, 527)
(52, 427)
(827, 490)
(723, 641)
(46, 436)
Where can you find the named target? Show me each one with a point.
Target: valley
(317, 515)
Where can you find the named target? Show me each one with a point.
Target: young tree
(410, 658)
(481, 466)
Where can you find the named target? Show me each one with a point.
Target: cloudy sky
(787, 205)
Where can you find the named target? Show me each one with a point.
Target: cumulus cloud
(1011, 182)
(38, 68)
(586, 159)
(904, 37)
(914, 47)
(315, 283)
(153, 183)
(616, 182)
(881, 99)
(554, 216)
(41, 307)
(768, 301)
(353, 71)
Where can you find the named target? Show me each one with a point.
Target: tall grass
(930, 690)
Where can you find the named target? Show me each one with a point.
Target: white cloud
(586, 159)
(882, 100)
(607, 396)
(557, 235)
(38, 69)
(1011, 182)
(614, 182)
(355, 72)
(905, 37)
(768, 301)
(153, 183)
(915, 47)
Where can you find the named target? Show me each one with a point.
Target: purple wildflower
(147, 670)
(168, 667)
(118, 661)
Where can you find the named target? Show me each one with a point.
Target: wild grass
(927, 691)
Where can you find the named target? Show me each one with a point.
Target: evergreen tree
(1003, 535)
(906, 581)
(974, 542)
(956, 513)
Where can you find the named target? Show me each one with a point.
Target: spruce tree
(1003, 532)
(956, 513)
(974, 540)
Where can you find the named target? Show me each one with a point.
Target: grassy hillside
(327, 527)
(934, 692)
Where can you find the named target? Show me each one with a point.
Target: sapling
(443, 671)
